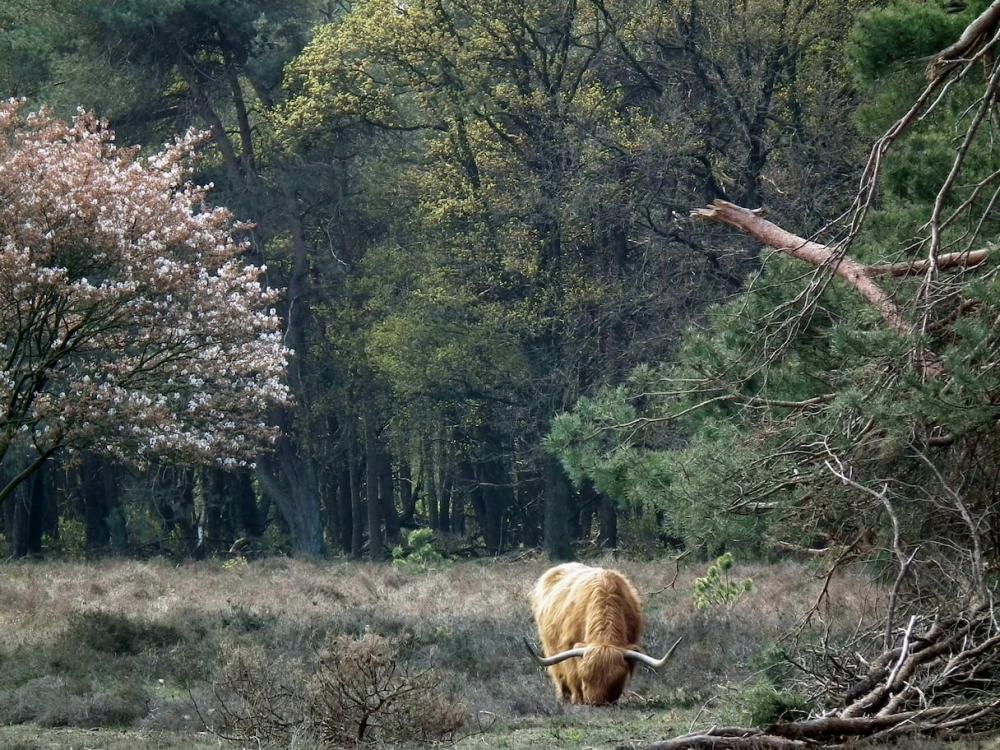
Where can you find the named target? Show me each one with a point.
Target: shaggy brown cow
(590, 622)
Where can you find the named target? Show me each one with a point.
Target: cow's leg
(561, 684)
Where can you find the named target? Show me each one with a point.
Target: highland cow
(590, 623)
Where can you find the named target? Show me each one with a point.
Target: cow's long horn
(548, 661)
(649, 660)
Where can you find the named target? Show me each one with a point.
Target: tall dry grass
(124, 643)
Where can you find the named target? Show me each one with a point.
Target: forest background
(502, 323)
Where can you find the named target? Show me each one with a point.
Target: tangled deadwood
(942, 679)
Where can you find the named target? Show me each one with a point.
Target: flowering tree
(128, 323)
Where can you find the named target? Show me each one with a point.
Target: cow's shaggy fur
(576, 605)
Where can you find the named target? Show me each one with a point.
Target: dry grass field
(122, 654)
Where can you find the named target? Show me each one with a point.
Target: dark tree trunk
(525, 497)
(97, 493)
(229, 511)
(387, 497)
(444, 501)
(556, 490)
(52, 490)
(246, 520)
(477, 496)
(215, 531)
(607, 513)
(17, 510)
(290, 480)
(30, 511)
(583, 523)
(458, 500)
(494, 497)
(407, 497)
(345, 510)
(431, 487)
(357, 504)
(174, 499)
(25, 513)
(376, 548)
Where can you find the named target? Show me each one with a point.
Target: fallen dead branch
(942, 680)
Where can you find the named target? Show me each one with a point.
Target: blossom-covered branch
(129, 324)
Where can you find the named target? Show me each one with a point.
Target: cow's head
(603, 669)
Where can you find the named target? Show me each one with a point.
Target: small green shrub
(144, 526)
(275, 541)
(419, 553)
(766, 705)
(235, 563)
(716, 589)
(71, 541)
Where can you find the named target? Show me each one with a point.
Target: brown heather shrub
(59, 702)
(355, 691)
(113, 633)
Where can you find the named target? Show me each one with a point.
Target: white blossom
(149, 333)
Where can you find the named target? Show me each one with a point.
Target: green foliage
(904, 32)
(238, 562)
(275, 540)
(419, 553)
(715, 589)
(71, 541)
(765, 705)
(144, 526)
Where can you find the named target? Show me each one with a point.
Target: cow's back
(574, 603)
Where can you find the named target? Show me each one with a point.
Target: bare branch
(973, 35)
(919, 267)
(821, 256)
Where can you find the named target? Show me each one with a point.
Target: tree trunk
(94, 487)
(357, 505)
(607, 513)
(556, 538)
(387, 496)
(407, 497)
(494, 499)
(345, 510)
(444, 499)
(18, 514)
(525, 497)
(431, 486)
(215, 530)
(242, 497)
(289, 479)
(25, 515)
(376, 548)
(173, 496)
(458, 499)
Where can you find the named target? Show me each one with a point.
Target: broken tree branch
(984, 25)
(919, 267)
(818, 255)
